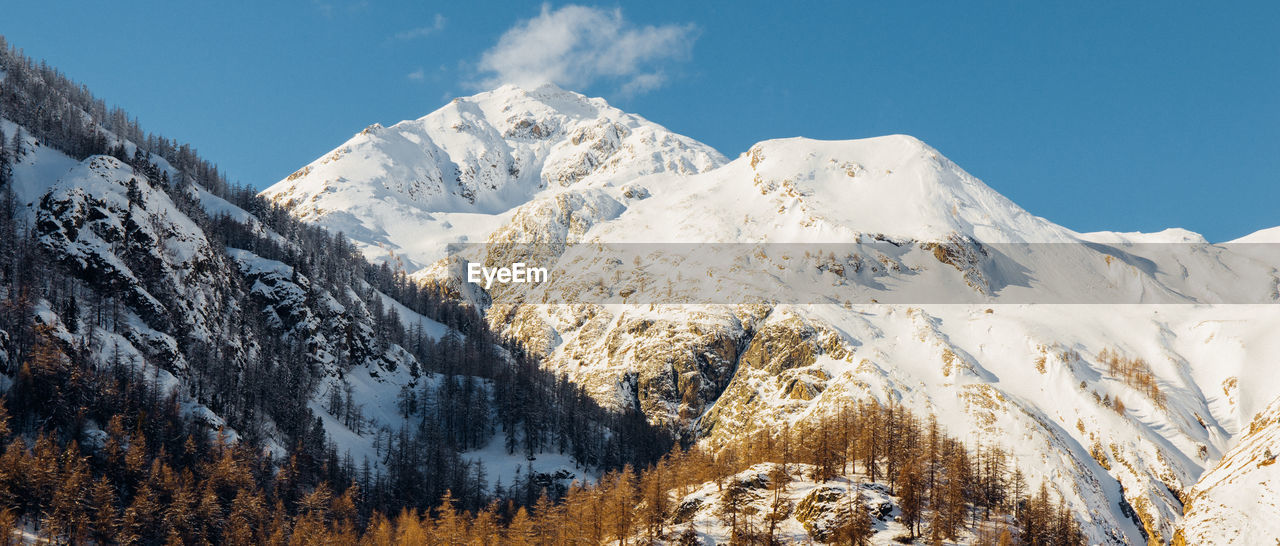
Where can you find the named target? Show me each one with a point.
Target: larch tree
(779, 505)
(733, 501)
(911, 494)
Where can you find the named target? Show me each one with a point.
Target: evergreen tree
(855, 528)
(6, 163)
(620, 502)
(450, 524)
(17, 148)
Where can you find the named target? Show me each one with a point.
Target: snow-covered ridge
(405, 190)
(123, 234)
(1120, 409)
(896, 186)
(1269, 235)
(882, 219)
(214, 206)
(104, 220)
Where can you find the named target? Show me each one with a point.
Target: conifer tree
(138, 523)
(67, 518)
(779, 506)
(520, 531)
(733, 500)
(409, 528)
(6, 163)
(450, 525)
(911, 492)
(620, 503)
(855, 528)
(8, 525)
(208, 516)
(17, 149)
(484, 528)
(247, 511)
(547, 517)
(380, 531)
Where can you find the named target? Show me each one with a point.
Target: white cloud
(576, 46)
(417, 75)
(436, 25)
(642, 83)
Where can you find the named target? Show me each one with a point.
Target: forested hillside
(184, 361)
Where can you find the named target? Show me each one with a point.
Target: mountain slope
(895, 186)
(404, 191)
(1224, 506)
(147, 305)
(1118, 409)
(208, 294)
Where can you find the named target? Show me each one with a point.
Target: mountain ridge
(319, 359)
(510, 107)
(1056, 374)
(151, 307)
(464, 165)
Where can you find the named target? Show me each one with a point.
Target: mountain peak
(894, 185)
(545, 100)
(484, 154)
(546, 88)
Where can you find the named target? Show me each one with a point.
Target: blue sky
(1134, 117)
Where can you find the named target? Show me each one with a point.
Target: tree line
(944, 490)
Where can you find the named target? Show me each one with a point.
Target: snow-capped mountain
(259, 335)
(404, 191)
(1120, 408)
(164, 331)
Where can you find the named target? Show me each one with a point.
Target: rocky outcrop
(776, 371)
(113, 228)
(671, 367)
(828, 508)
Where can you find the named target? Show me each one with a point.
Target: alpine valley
(190, 360)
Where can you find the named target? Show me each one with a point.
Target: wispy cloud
(436, 25)
(643, 83)
(576, 46)
(417, 75)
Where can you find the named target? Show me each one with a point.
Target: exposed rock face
(964, 254)
(776, 367)
(828, 508)
(110, 226)
(181, 293)
(556, 220)
(821, 512)
(780, 346)
(672, 367)
(332, 335)
(804, 512)
(686, 511)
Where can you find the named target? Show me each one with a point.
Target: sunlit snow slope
(1119, 408)
(456, 174)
